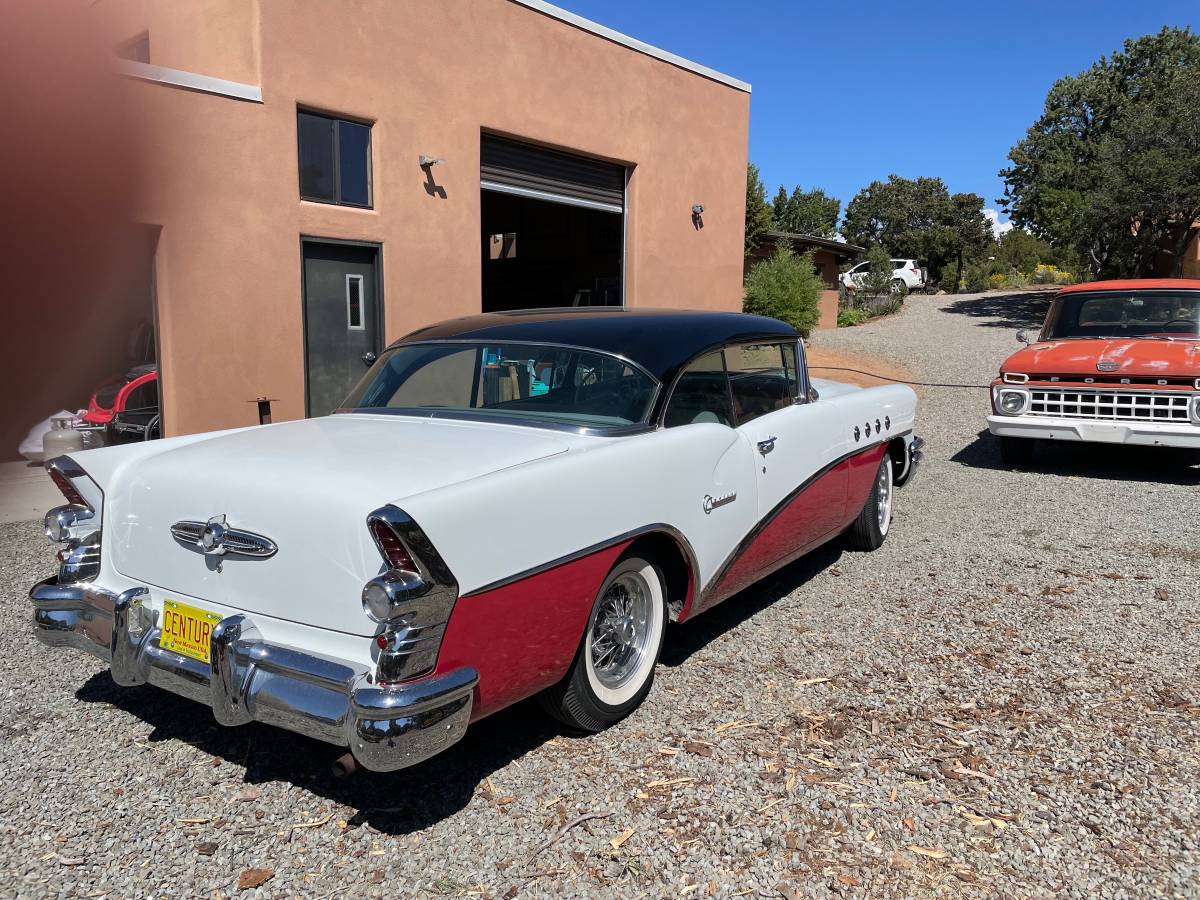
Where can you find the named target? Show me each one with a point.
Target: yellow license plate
(186, 629)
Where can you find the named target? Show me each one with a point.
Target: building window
(354, 302)
(135, 49)
(335, 160)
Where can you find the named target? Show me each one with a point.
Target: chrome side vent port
(412, 599)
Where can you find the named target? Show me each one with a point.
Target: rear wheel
(614, 666)
(871, 527)
(897, 285)
(1016, 451)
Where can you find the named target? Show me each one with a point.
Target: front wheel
(614, 666)
(871, 527)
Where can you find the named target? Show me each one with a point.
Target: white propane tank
(61, 438)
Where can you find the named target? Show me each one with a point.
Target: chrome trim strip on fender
(659, 528)
(705, 597)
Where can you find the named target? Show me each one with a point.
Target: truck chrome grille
(1110, 406)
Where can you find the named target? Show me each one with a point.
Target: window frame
(362, 316)
(337, 120)
(802, 378)
(781, 343)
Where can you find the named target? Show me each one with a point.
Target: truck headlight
(1196, 410)
(1011, 401)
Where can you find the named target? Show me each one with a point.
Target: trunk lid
(308, 487)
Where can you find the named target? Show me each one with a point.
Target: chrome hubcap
(620, 630)
(883, 495)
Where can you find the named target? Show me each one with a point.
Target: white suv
(907, 273)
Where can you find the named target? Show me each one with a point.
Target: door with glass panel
(342, 321)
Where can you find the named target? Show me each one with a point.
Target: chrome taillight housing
(75, 526)
(412, 598)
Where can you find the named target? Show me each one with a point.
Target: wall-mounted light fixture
(697, 216)
(698, 209)
(429, 161)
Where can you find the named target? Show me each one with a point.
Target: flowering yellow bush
(998, 280)
(1044, 274)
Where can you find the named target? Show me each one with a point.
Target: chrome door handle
(767, 445)
(369, 358)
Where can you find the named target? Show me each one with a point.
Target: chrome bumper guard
(915, 452)
(386, 726)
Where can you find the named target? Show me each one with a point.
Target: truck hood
(308, 487)
(1132, 356)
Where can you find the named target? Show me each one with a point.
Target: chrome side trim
(471, 415)
(66, 467)
(670, 531)
(709, 597)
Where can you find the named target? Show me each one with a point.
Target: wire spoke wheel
(619, 638)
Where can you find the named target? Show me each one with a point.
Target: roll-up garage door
(512, 167)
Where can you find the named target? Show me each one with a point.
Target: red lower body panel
(818, 512)
(522, 637)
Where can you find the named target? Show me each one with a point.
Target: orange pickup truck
(1116, 362)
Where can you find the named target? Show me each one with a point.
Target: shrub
(852, 316)
(785, 286)
(879, 280)
(976, 279)
(998, 280)
(948, 278)
(1044, 274)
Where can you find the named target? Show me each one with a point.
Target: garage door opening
(553, 228)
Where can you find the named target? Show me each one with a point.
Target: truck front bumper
(1150, 434)
(385, 726)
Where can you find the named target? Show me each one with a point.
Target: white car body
(512, 524)
(908, 271)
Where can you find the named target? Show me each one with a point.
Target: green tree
(758, 210)
(1111, 169)
(918, 219)
(806, 212)
(780, 213)
(785, 286)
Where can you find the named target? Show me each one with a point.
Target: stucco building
(329, 175)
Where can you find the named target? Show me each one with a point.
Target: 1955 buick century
(506, 505)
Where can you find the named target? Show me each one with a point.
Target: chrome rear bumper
(914, 451)
(386, 726)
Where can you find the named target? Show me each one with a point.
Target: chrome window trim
(801, 363)
(481, 415)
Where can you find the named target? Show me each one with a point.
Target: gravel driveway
(1002, 701)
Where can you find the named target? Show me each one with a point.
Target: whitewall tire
(614, 666)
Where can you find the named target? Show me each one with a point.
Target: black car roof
(659, 340)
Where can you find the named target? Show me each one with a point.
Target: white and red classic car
(1117, 362)
(507, 505)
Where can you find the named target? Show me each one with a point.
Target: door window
(761, 378)
(701, 394)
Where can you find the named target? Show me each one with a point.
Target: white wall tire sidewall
(632, 687)
(886, 525)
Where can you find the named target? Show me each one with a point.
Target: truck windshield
(1171, 315)
(540, 384)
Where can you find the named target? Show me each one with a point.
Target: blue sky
(845, 93)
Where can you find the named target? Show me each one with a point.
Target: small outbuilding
(829, 256)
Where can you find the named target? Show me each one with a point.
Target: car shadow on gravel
(1114, 462)
(684, 640)
(392, 803)
(1025, 310)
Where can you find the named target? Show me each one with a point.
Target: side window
(143, 397)
(759, 379)
(701, 394)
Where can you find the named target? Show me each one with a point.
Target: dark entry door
(341, 320)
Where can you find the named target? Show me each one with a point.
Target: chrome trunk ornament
(215, 538)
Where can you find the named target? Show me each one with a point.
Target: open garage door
(553, 228)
